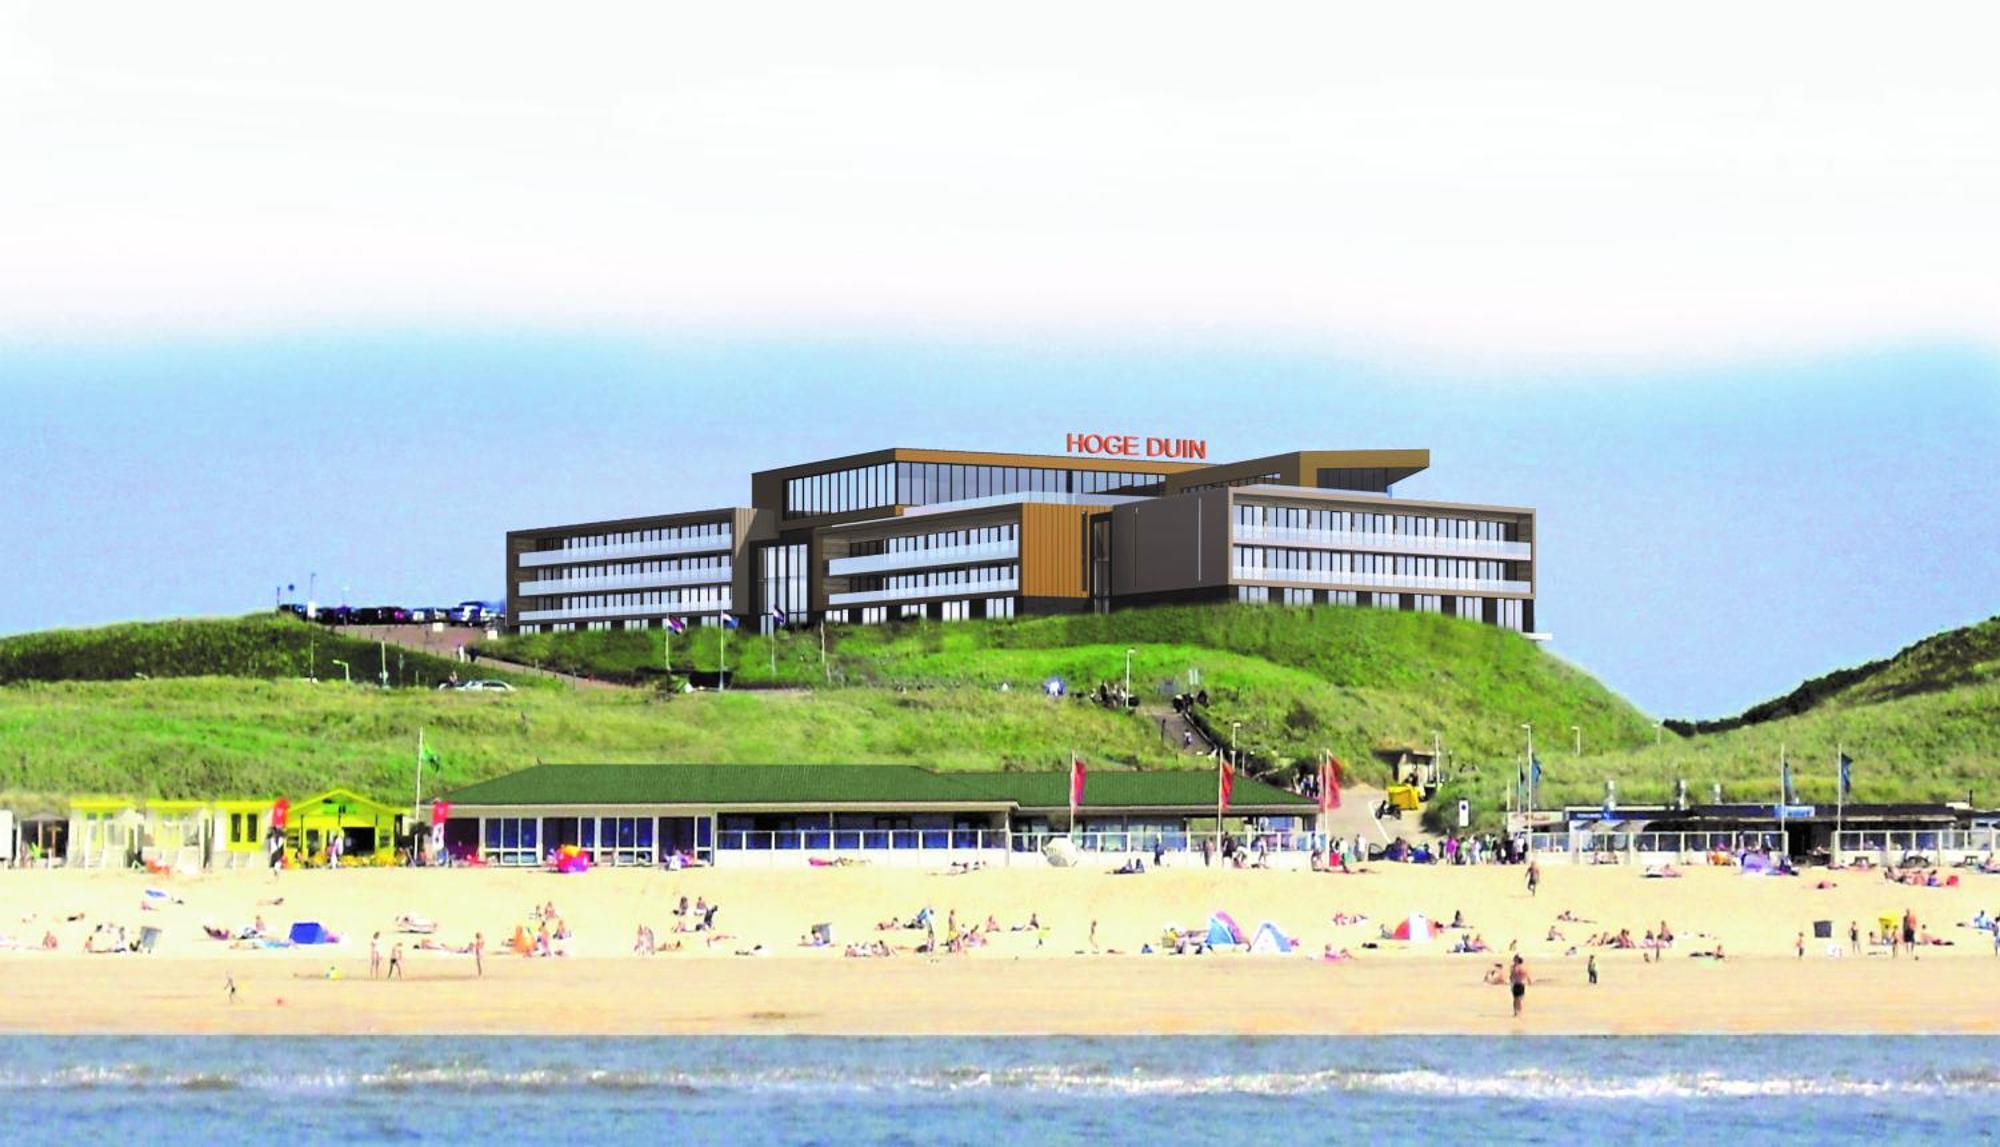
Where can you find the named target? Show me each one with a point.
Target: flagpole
(420, 772)
(823, 666)
(1839, 796)
(722, 652)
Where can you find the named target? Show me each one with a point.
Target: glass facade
(1390, 522)
(933, 483)
(783, 577)
(938, 540)
(698, 531)
(1275, 563)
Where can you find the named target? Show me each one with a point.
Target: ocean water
(1152, 1090)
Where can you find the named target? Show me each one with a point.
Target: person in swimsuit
(1518, 980)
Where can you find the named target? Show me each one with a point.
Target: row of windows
(1508, 613)
(993, 607)
(1254, 480)
(941, 540)
(1361, 522)
(712, 530)
(1332, 562)
(718, 564)
(932, 483)
(692, 598)
(930, 579)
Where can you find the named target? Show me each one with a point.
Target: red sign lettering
(1134, 446)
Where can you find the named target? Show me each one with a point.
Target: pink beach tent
(1416, 929)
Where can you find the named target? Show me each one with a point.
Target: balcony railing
(927, 592)
(608, 611)
(696, 545)
(625, 581)
(922, 559)
(1386, 543)
(1398, 582)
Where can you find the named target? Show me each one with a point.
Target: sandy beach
(1011, 984)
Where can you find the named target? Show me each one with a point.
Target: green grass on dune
(260, 645)
(211, 737)
(1300, 680)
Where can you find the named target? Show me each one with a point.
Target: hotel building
(904, 534)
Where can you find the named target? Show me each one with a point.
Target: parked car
(488, 686)
(468, 613)
(334, 615)
(294, 609)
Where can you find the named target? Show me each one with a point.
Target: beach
(1018, 982)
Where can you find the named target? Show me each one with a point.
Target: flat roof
(779, 785)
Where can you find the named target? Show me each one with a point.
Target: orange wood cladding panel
(1052, 550)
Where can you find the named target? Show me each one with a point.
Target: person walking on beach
(1800, 945)
(1854, 936)
(229, 985)
(1590, 969)
(479, 954)
(1518, 980)
(1093, 936)
(396, 961)
(1910, 931)
(1534, 877)
(375, 956)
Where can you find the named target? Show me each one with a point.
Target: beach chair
(148, 937)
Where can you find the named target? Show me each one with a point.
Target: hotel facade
(946, 535)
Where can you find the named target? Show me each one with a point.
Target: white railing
(1893, 845)
(1402, 582)
(921, 593)
(705, 543)
(625, 581)
(1121, 841)
(919, 559)
(1386, 543)
(660, 609)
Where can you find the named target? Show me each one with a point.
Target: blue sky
(1712, 288)
(1708, 537)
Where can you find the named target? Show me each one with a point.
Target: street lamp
(1578, 730)
(345, 672)
(1233, 726)
(1128, 675)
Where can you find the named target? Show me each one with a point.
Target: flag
(431, 757)
(777, 616)
(729, 621)
(440, 812)
(281, 809)
(1075, 785)
(1329, 784)
(677, 624)
(1225, 784)
(1846, 776)
(1535, 770)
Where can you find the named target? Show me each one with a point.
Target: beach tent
(308, 932)
(1416, 929)
(1270, 941)
(1223, 932)
(1060, 852)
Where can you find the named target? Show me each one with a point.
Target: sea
(1155, 1090)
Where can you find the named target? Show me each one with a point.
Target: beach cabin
(365, 826)
(104, 832)
(776, 815)
(40, 838)
(237, 828)
(176, 833)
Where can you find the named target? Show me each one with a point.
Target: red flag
(279, 811)
(1075, 784)
(1225, 785)
(440, 812)
(1329, 784)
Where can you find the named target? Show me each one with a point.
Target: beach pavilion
(779, 815)
(366, 826)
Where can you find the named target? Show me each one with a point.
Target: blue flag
(677, 624)
(729, 621)
(1537, 771)
(1846, 775)
(777, 616)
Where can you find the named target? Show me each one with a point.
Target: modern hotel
(905, 534)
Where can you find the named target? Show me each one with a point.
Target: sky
(351, 294)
